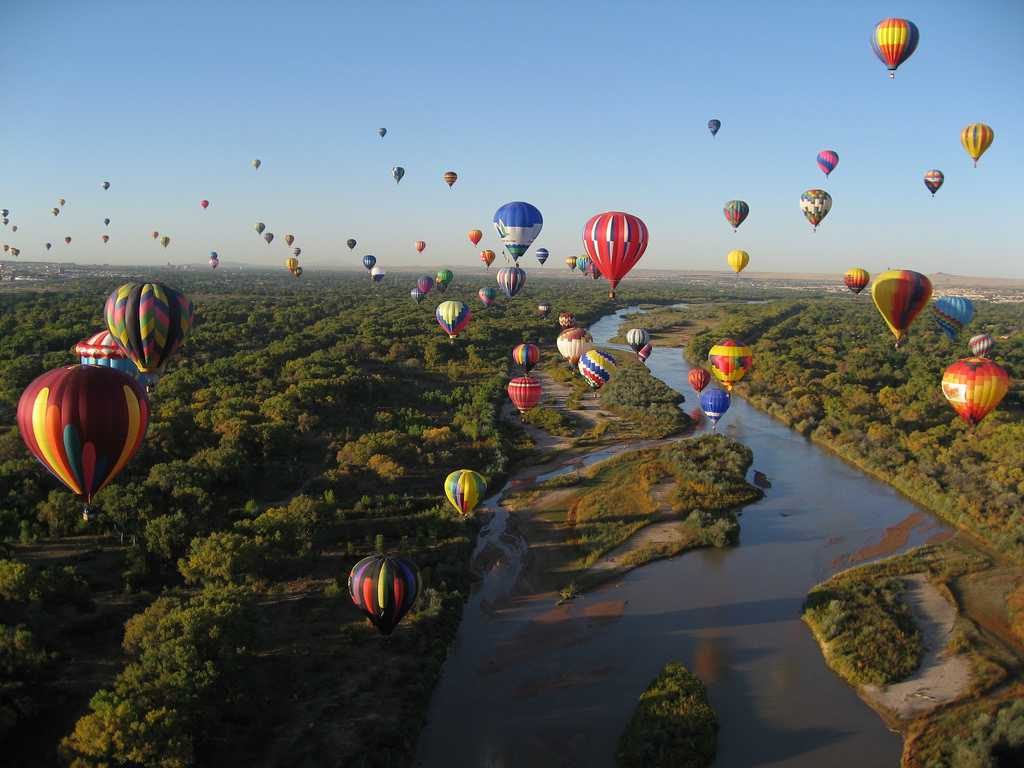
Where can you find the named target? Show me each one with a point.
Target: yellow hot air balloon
(976, 138)
(292, 263)
(738, 260)
(729, 361)
(465, 489)
(900, 295)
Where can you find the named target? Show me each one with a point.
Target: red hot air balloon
(83, 423)
(419, 245)
(204, 204)
(974, 386)
(615, 241)
(524, 392)
(474, 236)
(698, 378)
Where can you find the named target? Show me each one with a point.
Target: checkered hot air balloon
(815, 204)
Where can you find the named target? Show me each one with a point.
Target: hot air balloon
(14, 228)
(49, 246)
(977, 138)
(425, 283)
(443, 279)
(105, 238)
(105, 185)
(543, 309)
(526, 356)
(465, 490)
(933, 180)
(583, 264)
(524, 392)
(614, 241)
(154, 234)
(54, 211)
(738, 260)
(542, 255)
(257, 163)
(453, 317)
(61, 202)
(67, 241)
(397, 173)
(974, 386)
(298, 272)
(487, 257)
(382, 132)
(518, 225)
(384, 589)
(259, 227)
(450, 177)
(729, 361)
(981, 344)
(570, 262)
(214, 260)
(856, 279)
(296, 251)
(644, 352)
(269, 237)
(714, 126)
(566, 319)
(102, 349)
(106, 222)
(419, 245)
(815, 203)
(900, 295)
(369, 260)
(952, 313)
(292, 263)
(736, 212)
(828, 159)
(474, 236)
(150, 321)
(351, 243)
(637, 338)
(204, 204)
(894, 41)
(714, 403)
(377, 274)
(417, 295)
(511, 280)
(572, 343)
(289, 239)
(487, 295)
(596, 367)
(698, 378)
(83, 423)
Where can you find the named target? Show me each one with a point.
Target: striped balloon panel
(894, 41)
(952, 313)
(542, 255)
(637, 338)
(100, 346)
(444, 277)
(487, 257)
(150, 321)
(981, 344)
(83, 423)
(976, 138)
(369, 260)
(698, 378)
(974, 386)
(511, 280)
(856, 279)
(524, 392)
(644, 352)
(417, 295)
(465, 490)
(384, 589)
(614, 241)
(900, 295)
(736, 212)
(453, 317)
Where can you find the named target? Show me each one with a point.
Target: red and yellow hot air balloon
(729, 361)
(450, 177)
(474, 236)
(856, 279)
(974, 386)
(894, 41)
(524, 392)
(615, 241)
(976, 138)
(487, 256)
(900, 295)
(83, 423)
(698, 378)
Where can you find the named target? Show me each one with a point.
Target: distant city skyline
(576, 107)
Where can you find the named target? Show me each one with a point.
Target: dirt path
(940, 678)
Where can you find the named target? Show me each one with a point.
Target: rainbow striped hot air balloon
(465, 490)
(526, 356)
(894, 41)
(900, 295)
(977, 138)
(736, 212)
(453, 317)
(933, 179)
(729, 361)
(828, 159)
(856, 279)
(384, 589)
(83, 423)
(974, 386)
(952, 313)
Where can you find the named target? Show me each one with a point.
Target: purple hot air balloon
(425, 283)
(828, 159)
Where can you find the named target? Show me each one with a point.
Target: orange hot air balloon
(856, 279)
(450, 177)
(698, 378)
(900, 295)
(419, 245)
(487, 257)
(974, 386)
(475, 235)
(894, 41)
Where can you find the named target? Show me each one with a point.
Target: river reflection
(529, 684)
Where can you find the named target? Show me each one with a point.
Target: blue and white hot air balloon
(714, 402)
(542, 255)
(952, 313)
(518, 225)
(368, 261)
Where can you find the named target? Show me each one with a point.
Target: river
(528, 685)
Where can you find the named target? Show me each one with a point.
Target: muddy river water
(530, 684)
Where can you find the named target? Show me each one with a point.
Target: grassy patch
(649, 407)
(673, 725)
(551, 420)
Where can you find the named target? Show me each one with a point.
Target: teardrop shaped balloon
(815, 204)
(204, 204)
(155, 234)
(292, 264)
(738, 260)
(714, 403)
(289, 239)
(49, 246)
(67, 241)
(637, 338)
(856, 279)
(570, 262)
(105, 238)
(644, 352)
(974, 387)
(351, 243)
(54, 211)
(614, 241)
(933, 180)
(369, 260)
(542, 255)
(518, 224)
(894, 41)
(105, 185)
(525, 392)
(828, 159)
(714, 125)
(214, 261)
(511, 280)
(106, 222)
(425, 283)
(450, 177)
(487, 257)
(465, 490)
(977, 138)
(900, 295)
(572, 343)
(417, 295)
(259, 227)
(730, 361)
(384, 588)
(487, 295)
(269, 237)
(474, 236)
(736, 212)
(382, 132)
(444, 277)
(583, 264)
(981, 344)
(419, 245)
(952, 313)
(397, 173)
(83, 423)
(566, 319)
(257, 163)
(596, 368)
(150, 321)
(526, 356)
(296, 251)
(698, 378)
(453, 317)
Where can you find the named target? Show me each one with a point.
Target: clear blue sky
(577, 107)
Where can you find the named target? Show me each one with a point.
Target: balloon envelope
(934, 179)
(974, 386)
(952, 313)
(453, 317)
(856, 279)
(384, 589)
(369, 260)
(714, 125)
(899, 296)
(614, 241)
(736, 212)
(487, 295)
(815, 204)
(425, 283)
(714, 402)
(828, 159)
(729, 361)
(518, 224)
(977, 138)
(524, 392)
(698, 378)
(894, 41)
(474, 236)
(397, 173)
(351, 243)
(572, 343)
(981, 344)
(150, 321)
(526, 356)
(511, 280)
(487, 257)
(465, 489)
(738, 260)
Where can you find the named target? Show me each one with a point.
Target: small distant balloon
(828, 159)
(894, 41)
(369, 260)
(417, 295)
(856, 279)
(487, 257)
(382, 132)
(487, 295)
(933, 179)
(67, 241)
(377, 274)
(977, 138)
(736, 212)
(105, 238)
(419, 245)
(542, 255)
(450, 177)
(260, 226)
(165, 240)
(738, 260)
(204, 204)
(397, 173)
(106, 222)
(474, 236)
(257, 163)
(105, 185)
(714, 125)
(269, 237)
(154, 234)
(351, 243)
(289, 239)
